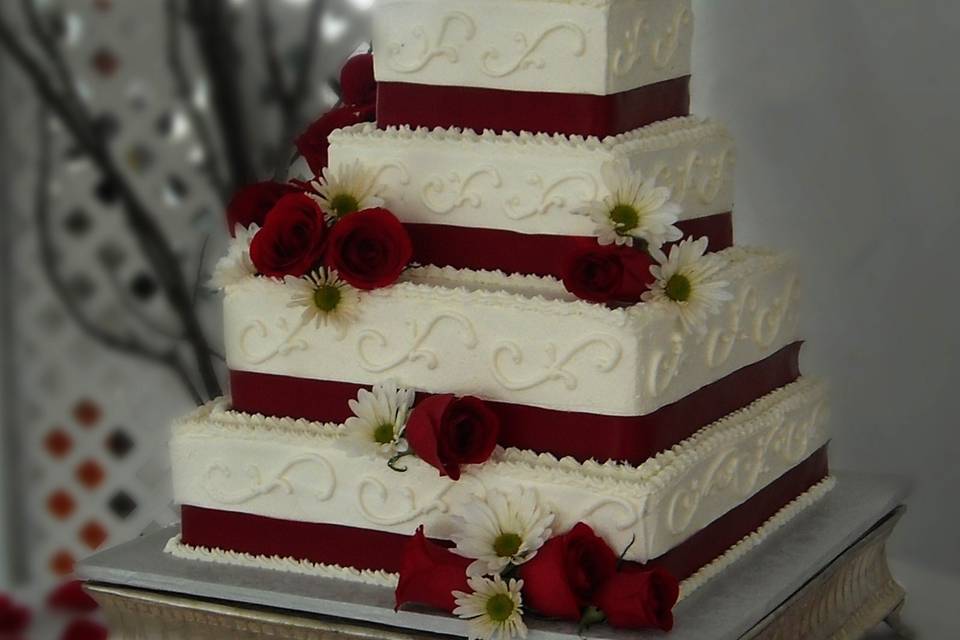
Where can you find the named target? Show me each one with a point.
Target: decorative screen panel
(91, 420)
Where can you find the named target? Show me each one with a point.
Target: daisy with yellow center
(687, 281)
(325, 298)
(501, 530)
(236, 265)
(378, 421)
(494, 609)
(346, 189)
(636, 212)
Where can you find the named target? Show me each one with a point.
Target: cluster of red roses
(448, 432)
(69, 598)
(572, 576)
(368, 249)
(570, 573)
(607, 274)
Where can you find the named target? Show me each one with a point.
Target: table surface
(725, 608)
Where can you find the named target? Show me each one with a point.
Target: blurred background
(125, 126)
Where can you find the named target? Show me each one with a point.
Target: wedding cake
(502, 353)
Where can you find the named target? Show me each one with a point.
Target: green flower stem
(392, 463)
(591, 616)
(623, 555)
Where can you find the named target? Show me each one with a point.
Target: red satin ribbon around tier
(380, 550)
(529, 254)
(421, 105)
(562, 433)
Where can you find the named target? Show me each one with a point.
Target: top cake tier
(585, 67)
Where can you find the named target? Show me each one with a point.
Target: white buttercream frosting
(706, 573)
(481, 333)
(598, 47)
(742, 548)
(294, 470)
(537, 183)
(178, 549)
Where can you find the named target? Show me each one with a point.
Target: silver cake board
(829, 562)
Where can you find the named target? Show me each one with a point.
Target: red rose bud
(448, 432)
(14, 618)
(358, 86)
(252, 203)
(567, 573)
(314, 144)
(636, 598)
(70, 596)
(593, 273)
(429, 574)
(81, 629)
(292, 239)
(608, 273)
(369, 249)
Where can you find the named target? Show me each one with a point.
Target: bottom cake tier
(178, 548)
(285, 494)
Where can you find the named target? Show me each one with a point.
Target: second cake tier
(548, 364)
(515, 203)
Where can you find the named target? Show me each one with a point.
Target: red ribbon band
(380, 550)
(421, 105)
(529, 254)
(561, 433)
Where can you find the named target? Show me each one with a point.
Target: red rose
(81, 629)
(313, 144)
(637, 278)
(252, 203)
(447, 432)
(607, 273)
(593, 274)
(14, 619)
(292, 239)
(429, 574)
(567, 573)
(70, 596)
(369, 249)
(358, 86)
(636, 598)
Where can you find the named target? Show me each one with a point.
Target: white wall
(847, 116)
(4, 568)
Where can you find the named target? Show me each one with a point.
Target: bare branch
(127, 344)
(35, 72)
(211, 22)
(52, 51)
(291, 97)
(184, 89)
(276, 81)
(134, 309)
(271, 54)
(311, 40)
(148, 235)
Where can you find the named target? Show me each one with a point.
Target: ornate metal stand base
(825, 576)
(850, 597)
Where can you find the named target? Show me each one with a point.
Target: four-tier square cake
(502, 353)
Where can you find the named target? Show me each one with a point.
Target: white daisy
(501, 530)
(236, 265)
(635, 210)
(346, 189)
(379, 419)
(687, 281)
(325, 298)
(494, 609)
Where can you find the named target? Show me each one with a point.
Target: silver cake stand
(823, 576)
